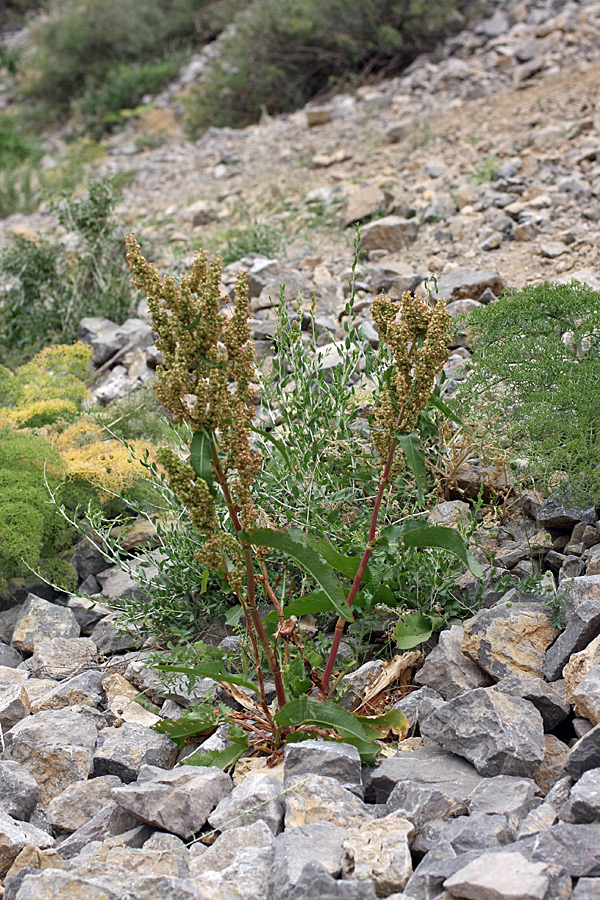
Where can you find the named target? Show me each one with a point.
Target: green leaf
(296, 545)
(415, 460)
(393, 719)
(310, 604)
(279, 444)
(233, 616)
(187, 727)
(201, 457)
(214, 670)
(222, 759)
(436, 400)
(415, 628)
(304, 711)
(441, 538)
(347, 565)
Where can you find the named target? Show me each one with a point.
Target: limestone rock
(552, 768)
(477, 831)
(61, 657)
(428, 766)
(585, 754)
(39, 620)
(509, 640)
(579, 665)
(555, 514)
(179, 801)
(548, 699)
(499, 876)
(13, 837)
(499, 734)
(419, 704)
(582, 623)
(123, 751)
(14, 704)
(258, 797)
(447, 670)
(466, 283)
(392, 233)
(297, 847)
(379, 852)
(107, 337)
(19, 792)
(80, 802)
(320, 799)
(505, 795)
(315, 881)
(327, 758)
(583, 804)
(239, 861)
(80, 690)
(586, 696)
(363, 203)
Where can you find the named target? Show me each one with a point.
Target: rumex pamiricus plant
(206, 381)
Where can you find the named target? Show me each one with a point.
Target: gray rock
(355, 682)
(583, 804)
(107, 337)
(378, 853)
(316, 798)
(39, 620)
(315, 881)
(52, 884)
(299, 846)
(574, 847)
(587, 695)
(479, 831)
(559, 792)
(505, 795)
(327, 758)
(466, 283)
(13, 837)
(419, 704)
(585, 754)
(447, 670)
(19, 792)
(66, 726)
(392, 233)
(61, 657)
(9, 657)
(179, 801)
(548, 699)
(14, 704)
(555, 514)
(582, 623)
(117, 584)
(152, 684)
(87, 612)
(500, 876)
(572, 567)
(430, 765)
(80, 802)
(586, 889)
(109, 639)
(150, 887)
(428, 877)
(122, 751)
(83, 690)
(499, 734)
(239, 861)
(111, 819)
(258, 797)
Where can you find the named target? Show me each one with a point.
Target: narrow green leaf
(414, 629)
(441, 538)
(415, 460)
(436, 400)
(295, 544)
(214, 670)
(201, 457)
(347, 565)
(279, 444)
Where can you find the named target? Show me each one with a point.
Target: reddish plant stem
(261, 682)
(339, 627)
(251, 596)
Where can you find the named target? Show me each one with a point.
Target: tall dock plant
(206, 381)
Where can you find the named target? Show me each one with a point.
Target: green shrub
(85, 40)
(284, 52)
(536, 376)
(53, 288)
(260, 237)
(18, 155)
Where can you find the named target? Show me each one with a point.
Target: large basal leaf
(415, 628)
(410, 445)
(214, 670)
(296, 545)
(222, 759)
(201, 457)
(303, 712)
(439, 537)
(393, 720)
(189, 726)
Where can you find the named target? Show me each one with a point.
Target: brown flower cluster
(205, 380)
(416, 333)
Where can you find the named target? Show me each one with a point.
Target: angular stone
(552, 768)
(447, 670)
(499, 876)
(320, 799)
(109, 820)
(239, 861)
(80, 802)
(39, 620)
(478, 831)
(466, 283)
(258, 797)
(107, 337)
(315, 881)
(392, 233)
(87, 612)
(576, 847)
(53, 884)
(9, 657)
(19, 792)
(509, 640)
(297, 847)
(355, 682)
(327, 758)
(362, 204)
(539, 819)
(152, 684)
(123, 751)
(428, 766)
(583, 804)
(13, 837)
(109, 639)
(582, 623)
(499, 734)
(419, 704)
(579, 665)
(81, 690)
(505, 795)
(428, 877)
(586, 889)
(61, 658)
(150, 887)
(14, 704)
(379, 852)
(548, 699)
(179, 801)
(585, 754)
(586, 696)
(555, 514)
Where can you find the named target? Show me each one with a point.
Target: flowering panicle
(205, 380)
(416, 333)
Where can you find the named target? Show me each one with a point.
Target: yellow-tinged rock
(578, 666)
(553, 764)
(35, 858)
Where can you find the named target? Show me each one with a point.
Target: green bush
(85, 40)
(536, 376)
(124, 87)
(53, 287)
(284, 52)
(18, 153)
